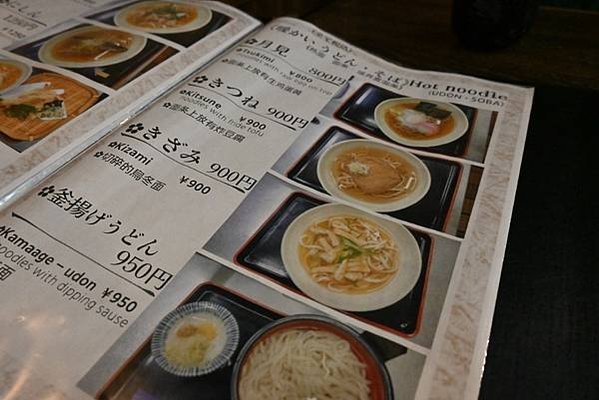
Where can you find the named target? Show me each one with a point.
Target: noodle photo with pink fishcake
(427, 124)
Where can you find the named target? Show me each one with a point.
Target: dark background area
(545, 337)
(580, 4)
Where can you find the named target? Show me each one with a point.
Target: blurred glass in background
(492, 24)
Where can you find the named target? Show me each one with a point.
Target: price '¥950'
(142, 273)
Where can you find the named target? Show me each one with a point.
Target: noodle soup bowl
(407, 259)
(46, 55)
(459, 129)
(24, 73)
(376, 373)
(326, 166)
(202, 18)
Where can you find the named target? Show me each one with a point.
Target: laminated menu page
(297, 220)
(71, 70)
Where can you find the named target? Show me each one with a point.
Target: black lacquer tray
(431, 211)
(358, 111)
(262, 253)
(142, 379)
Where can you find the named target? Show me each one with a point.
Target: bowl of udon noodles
(12, 74)
(91, 46)
(163, 17)
(350, 260)
(309, 357)
(374, 175)
(420, 123)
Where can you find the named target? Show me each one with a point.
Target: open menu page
(299, 219)
(73, 70)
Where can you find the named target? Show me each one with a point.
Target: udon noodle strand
(303, 364)
(348, 254)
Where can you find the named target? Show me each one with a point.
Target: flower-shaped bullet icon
(46, 191)
(134, 128)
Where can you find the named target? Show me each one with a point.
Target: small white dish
(219, 352)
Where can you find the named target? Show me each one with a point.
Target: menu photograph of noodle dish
(184, 22)
(350, 260)
(163, 17)
(438, 124)
(285, 348)
(91, 46)
(373, 175)
(109, 56)
(35, 102)
(419, 123)
(309, 357)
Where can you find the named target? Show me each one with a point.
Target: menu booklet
(196, 206)
(71, 71)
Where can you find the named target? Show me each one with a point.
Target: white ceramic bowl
(45, 52)
(409, 261)
(219, 353)
(203, 18)
(460, 128)
(326, 178)
(25, 73)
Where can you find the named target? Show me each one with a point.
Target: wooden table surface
(545, 338)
